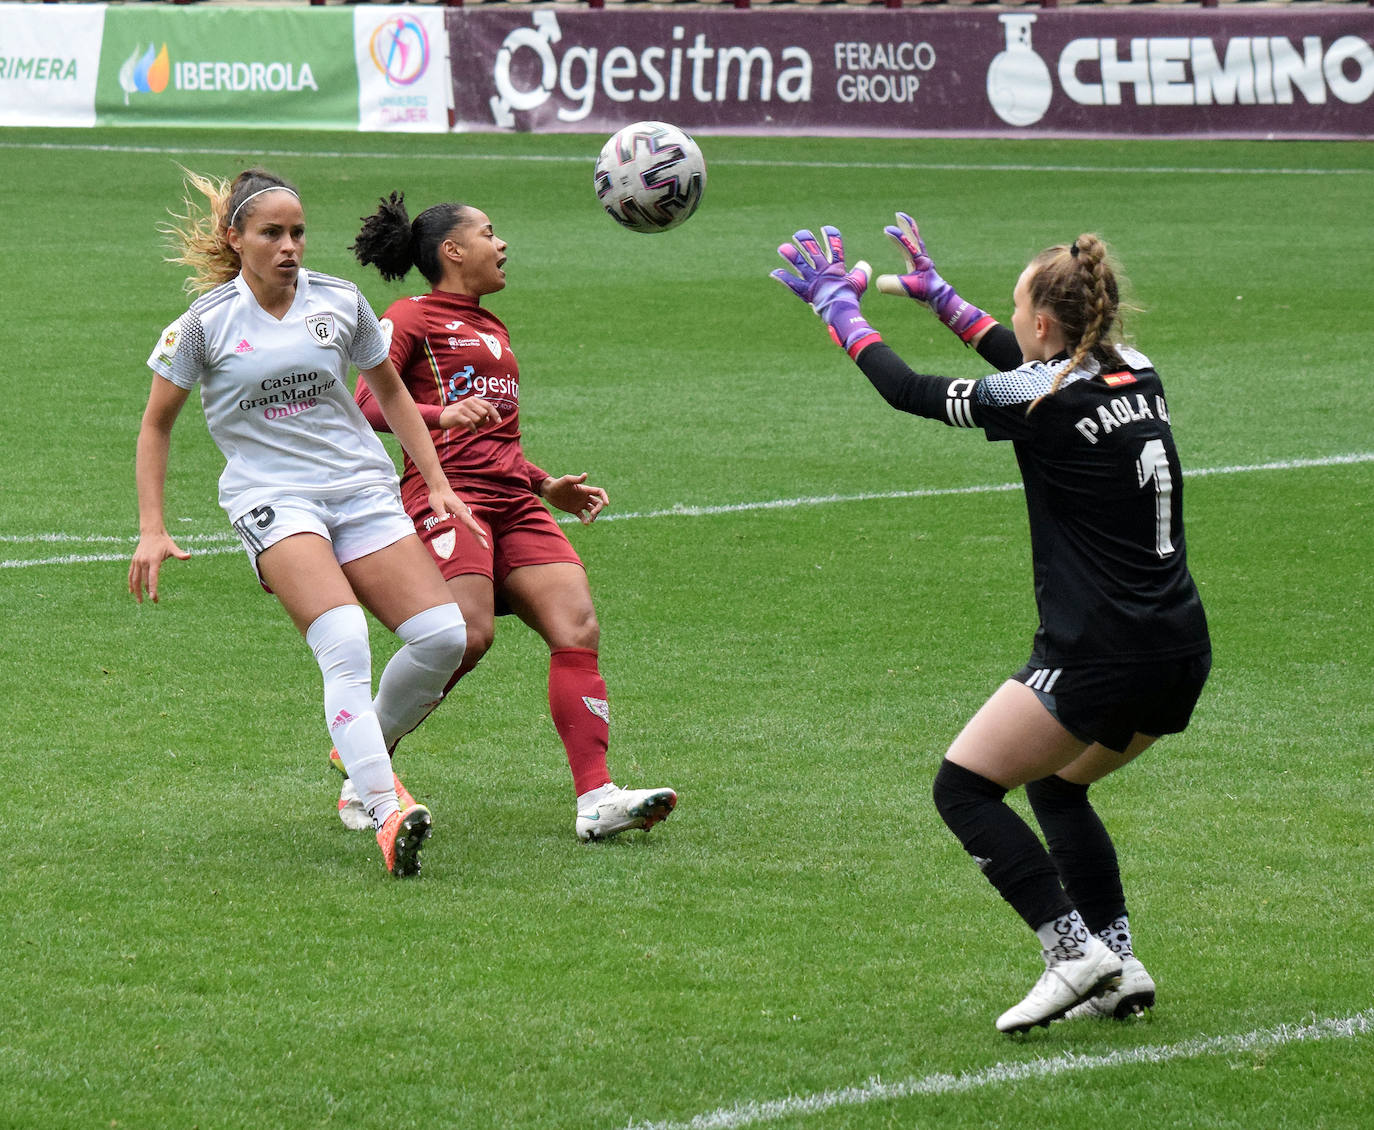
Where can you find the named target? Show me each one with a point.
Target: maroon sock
(577, 701)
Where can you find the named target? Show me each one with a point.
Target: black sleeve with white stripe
(936, 398)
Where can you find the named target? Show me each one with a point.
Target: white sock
(339, 640)
(413, 682)
(1066, 938)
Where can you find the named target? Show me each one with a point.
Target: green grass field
(803, 595)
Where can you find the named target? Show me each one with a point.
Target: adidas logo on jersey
(243, 347)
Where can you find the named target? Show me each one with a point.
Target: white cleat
(1063, 986)
(351, 810)
(618, 810)
(1132, 997)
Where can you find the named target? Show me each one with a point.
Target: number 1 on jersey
(1153, 466)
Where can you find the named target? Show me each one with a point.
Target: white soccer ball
(650, 176)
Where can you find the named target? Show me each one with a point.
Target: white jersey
(274, 392)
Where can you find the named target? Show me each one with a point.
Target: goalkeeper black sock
(1081, 849)
(1001, 843)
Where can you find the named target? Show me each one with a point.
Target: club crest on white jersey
(321, 328)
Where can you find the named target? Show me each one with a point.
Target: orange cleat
(401, 838)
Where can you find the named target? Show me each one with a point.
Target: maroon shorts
(521, 532)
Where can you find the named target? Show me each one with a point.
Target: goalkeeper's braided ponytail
(1077, 284)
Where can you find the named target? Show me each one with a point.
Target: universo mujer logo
(530, 69)
(400, 50)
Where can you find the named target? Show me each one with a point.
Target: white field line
(581, 158)
(216, 543)
(1000, 1074)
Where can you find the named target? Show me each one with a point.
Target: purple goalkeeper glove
(922, 283)
(833, 292)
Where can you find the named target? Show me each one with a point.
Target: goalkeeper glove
(922, 283)
(833, 291)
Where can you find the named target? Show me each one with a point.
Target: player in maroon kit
(456, 360)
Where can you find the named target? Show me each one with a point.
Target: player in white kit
(309, 489)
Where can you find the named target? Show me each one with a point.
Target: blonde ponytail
(199, 234)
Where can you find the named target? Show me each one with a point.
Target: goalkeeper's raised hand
(923, 283)
(822, 279)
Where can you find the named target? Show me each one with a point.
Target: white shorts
(360, 524)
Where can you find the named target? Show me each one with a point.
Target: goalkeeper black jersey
(1104, 494)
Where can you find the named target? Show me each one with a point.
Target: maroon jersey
(447, 348)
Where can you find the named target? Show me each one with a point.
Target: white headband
(269, 188)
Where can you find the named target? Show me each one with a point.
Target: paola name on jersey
(1121, 410)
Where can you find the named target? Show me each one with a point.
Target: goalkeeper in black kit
(1121, 652)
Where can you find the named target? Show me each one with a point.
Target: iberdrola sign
(228, 67)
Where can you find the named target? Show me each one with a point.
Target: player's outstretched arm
(155, 544)
(833, 291)
(820, 278)
(923, 283)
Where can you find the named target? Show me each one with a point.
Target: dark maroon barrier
(1105, 73)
